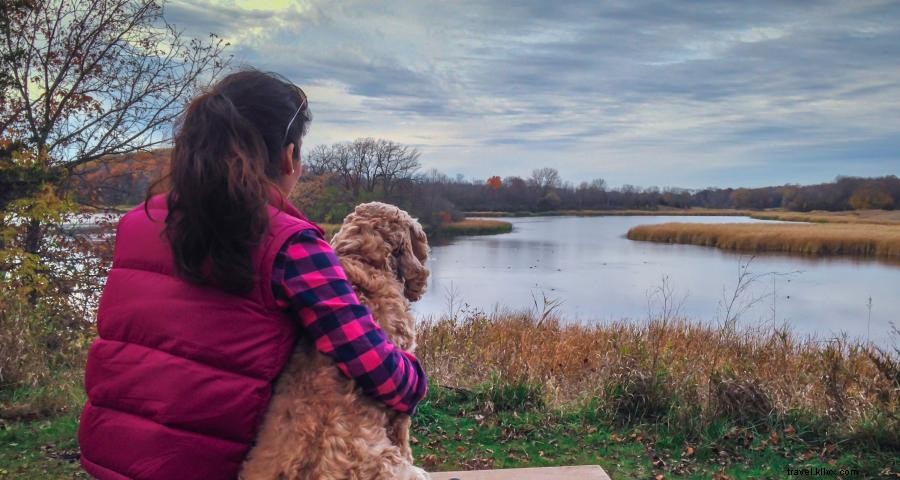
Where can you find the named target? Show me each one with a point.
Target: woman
(210, 286)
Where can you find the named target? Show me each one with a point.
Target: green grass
(505, 426)
(458, 430)
(40, 449)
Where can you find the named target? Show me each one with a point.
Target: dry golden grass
(870, 240)
(671, 371)
(476, 227)
(877, 217)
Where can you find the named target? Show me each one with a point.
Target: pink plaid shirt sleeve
(308, 280)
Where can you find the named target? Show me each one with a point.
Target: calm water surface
(600, 276)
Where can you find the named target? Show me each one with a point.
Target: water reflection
(599, 275)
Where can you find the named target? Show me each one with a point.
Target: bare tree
(9, 9)
(434, 177)
(365, 164)
(598, 184)
(394, 162)
(362, 152)
(83, 80)
(98, 77)
(545, 179)
(319, 160)
(338, 159)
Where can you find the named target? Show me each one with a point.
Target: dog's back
(319, 425)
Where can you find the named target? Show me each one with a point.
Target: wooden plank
(583, 472)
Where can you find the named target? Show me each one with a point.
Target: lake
(598, 275)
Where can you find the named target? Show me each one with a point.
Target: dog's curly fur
(319, 425)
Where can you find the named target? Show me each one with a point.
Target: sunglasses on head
(303, 104)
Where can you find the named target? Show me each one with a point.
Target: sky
(650, 93)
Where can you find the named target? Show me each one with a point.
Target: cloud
(643, 92)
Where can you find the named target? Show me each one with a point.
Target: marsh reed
(859, 239)
(476, 226)
(875, 217)
(670, 371)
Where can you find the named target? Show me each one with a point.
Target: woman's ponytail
(224, 163)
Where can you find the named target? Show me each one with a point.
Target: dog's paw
(417, 473)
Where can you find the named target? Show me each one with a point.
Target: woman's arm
(308, 280)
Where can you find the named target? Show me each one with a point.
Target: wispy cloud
(657, 92)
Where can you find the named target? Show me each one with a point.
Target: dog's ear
(411, 262)
(419, 241)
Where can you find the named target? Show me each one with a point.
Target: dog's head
(387, 238)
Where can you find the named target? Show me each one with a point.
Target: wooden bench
(583, 472)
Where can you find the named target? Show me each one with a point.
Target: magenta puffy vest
(180, 375)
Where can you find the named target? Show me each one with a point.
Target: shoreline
(862, 233)
(875, 217)
(698, 212)
(466, 227)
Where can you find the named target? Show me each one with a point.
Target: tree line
(544, 190)
(339, 176)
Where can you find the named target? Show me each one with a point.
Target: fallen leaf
(429, 460)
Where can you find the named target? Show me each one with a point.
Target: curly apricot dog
(319, 425)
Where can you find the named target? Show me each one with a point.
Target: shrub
(516, 395)
(680, 375)
(741, 400)
(42, 353)
(640, 395)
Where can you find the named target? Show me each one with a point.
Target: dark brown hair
(228, 146)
